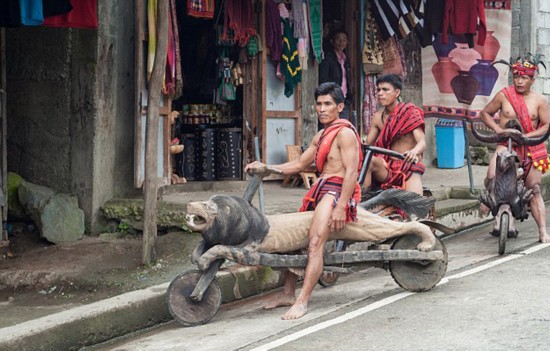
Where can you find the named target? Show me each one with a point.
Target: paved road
(486, 302)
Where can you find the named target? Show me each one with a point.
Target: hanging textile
(392, 54)
(273, 31)
(239, 17)
(461, 17)
(298, 19)
(397, 17)
(372, 52)
(290, 61)
(201, 8)
(31, 12)
(315, 12)
(458, 81)
(369, 102)
(83, 15)
(178, 89)
(152, 40)
(169, 81)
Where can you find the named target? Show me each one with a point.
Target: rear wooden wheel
(417, 275)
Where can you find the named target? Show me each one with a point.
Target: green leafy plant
(123, 227)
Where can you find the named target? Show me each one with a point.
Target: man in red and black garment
(399, 127)
(530, 109)
(336, 150)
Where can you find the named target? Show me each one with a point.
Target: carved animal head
(227, 220)
(506, 163)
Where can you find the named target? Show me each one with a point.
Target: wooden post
(151, 138)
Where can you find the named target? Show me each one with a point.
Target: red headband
(524, 68)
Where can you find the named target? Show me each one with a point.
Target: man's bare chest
(507, 113)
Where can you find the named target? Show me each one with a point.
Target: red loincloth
(399, 172)
(405, 118)
(531, 155)
(332, 184)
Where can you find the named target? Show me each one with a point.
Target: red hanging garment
(461, 17)
(83, 15)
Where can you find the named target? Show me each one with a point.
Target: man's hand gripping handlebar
(260, 169)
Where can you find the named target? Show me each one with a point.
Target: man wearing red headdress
(530, 109)
(400, 127)
(336, 150)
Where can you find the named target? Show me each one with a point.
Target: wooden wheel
(329, 278)
(417, 275)
(504, 228)
(186, 311)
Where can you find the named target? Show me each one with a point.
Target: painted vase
(465, 87)
(444, 71)
(464, 57)
(490, 49)
(443, 50)
(486, 75)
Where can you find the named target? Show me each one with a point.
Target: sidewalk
(42, 318)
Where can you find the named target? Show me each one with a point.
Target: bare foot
(544, 238)
(296, 311)
(280, 300)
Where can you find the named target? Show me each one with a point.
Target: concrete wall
(70, 107)
(38, 106)
(539, 41)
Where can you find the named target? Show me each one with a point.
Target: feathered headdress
(527, 65)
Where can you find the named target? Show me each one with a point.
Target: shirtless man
(530, 109)
(337, 154)
(399, 127)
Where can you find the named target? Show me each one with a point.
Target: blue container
(449, 143)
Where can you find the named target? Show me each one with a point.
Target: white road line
(384, 302)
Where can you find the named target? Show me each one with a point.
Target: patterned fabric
(290, 60)
(464, 98)
(537, 153)
(396, 17)
(399, 172)
(405, 118)
(369, 102)
(316, 28)
(201, 8)
(326, 139)
(334, 185)
(524, 68)
(372, 52)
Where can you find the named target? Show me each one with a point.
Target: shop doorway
(346, 15)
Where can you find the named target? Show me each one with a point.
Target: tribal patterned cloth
(535, 155)
(399, 172)
(290, 63)
(405, 118)
(333, 185)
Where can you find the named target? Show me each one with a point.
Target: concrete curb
(104, 320)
